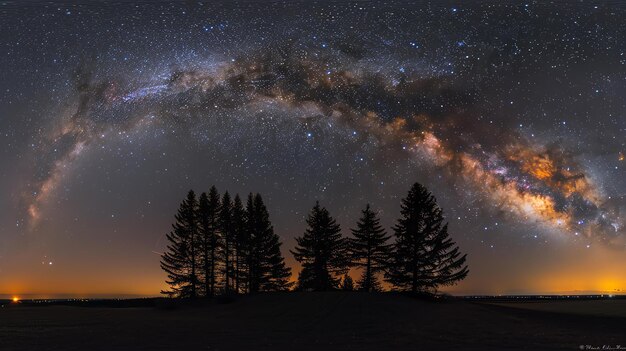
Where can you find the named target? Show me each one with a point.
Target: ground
(319, 321)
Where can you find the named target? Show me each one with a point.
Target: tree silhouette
(248, 250)
(268, 271)
(241, 244)
(424, 257)
(347, 284)
(369, 249)
(208, 215)
(321, 251)
(228, 239)
(181, 258)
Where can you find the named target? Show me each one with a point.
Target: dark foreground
(319, 321)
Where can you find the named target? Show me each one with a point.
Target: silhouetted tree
(424, 257)
(249, 258)
(369, 249)
(347, 284)
(181, 258)
(208, 219)
(321, 251)
(268, 271)
(241, 243)
(228, 240)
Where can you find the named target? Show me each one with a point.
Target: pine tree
(347, 284)
(228, 239)
(208, 214)
(321, 251)
(369, 249)
(181, 258)
(250, 254)
(241, 244)
(268, 271)
(424, 256)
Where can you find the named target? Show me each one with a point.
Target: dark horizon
(572, 294)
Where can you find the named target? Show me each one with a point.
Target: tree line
(220, 246)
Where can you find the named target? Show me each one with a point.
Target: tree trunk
(227, 271)
(212, 271)
(414, 285)
(236, 267)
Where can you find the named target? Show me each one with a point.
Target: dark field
(319, 321)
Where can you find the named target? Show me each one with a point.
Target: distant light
(16, 299)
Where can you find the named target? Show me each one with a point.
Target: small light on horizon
(16, 299)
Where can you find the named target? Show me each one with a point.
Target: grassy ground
(318, 321)
(604, 307)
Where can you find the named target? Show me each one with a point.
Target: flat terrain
(606, 308)
(319, 321)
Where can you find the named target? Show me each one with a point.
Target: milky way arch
(433, 118)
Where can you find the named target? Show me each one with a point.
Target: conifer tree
(347, 284)
(228, 239)
(241, 244)
(208, 215)
(424, 257)
(268, 271)
(181, 258)
(369, 249)
(250, 257)
(321, 251)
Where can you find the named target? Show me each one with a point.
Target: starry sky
(513, 114)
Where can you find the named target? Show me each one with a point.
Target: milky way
(512, 114)
(426, 115)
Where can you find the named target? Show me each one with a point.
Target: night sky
(513, 115)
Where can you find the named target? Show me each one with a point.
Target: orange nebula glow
(550, 169)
